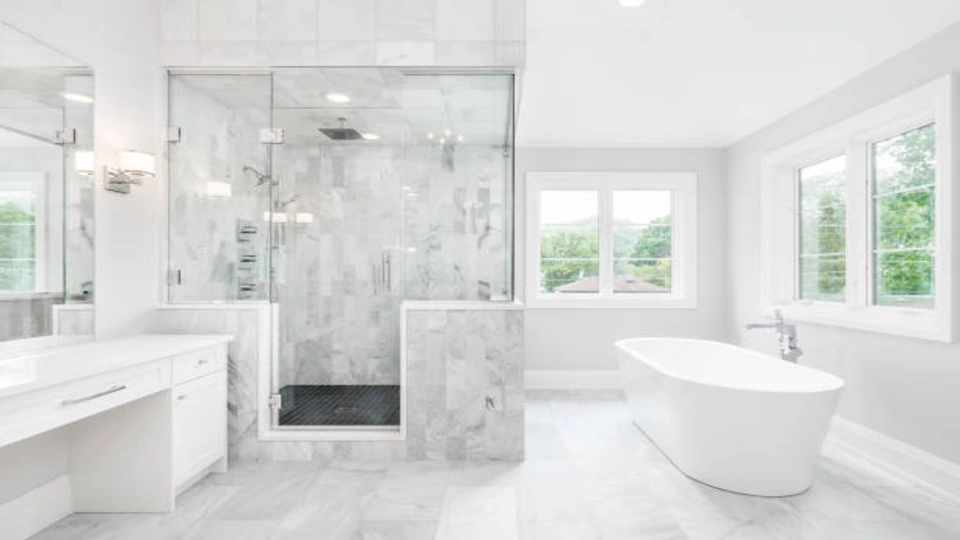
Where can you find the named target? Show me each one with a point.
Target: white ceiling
(699, 72)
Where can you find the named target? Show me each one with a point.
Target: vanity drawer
(37, 412)
(189, 366)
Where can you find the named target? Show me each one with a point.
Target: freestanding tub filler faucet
(786, 335)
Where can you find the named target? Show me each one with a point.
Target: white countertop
(48, 367)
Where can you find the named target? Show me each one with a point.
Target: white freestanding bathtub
(729, 417)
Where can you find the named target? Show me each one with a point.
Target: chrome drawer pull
(112, 390)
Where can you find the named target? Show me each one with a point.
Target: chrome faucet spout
(786, 336)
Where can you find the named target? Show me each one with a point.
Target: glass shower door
(336, 232)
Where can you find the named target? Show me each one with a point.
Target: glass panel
(904, 210)
(822, 216)
(642, 241)
(220, 188)
(569, 242)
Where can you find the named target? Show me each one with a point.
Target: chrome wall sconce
(134, 168)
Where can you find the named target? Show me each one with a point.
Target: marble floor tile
(589, 476)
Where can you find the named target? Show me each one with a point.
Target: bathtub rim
(836, 384)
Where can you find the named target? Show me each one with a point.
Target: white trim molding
(897, 457)
(935, 103)
(607, 379)
(683, 199)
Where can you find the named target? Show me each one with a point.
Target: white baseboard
(898, 457)
(36, 510)
(572, 380)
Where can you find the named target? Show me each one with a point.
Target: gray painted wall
(583, 339)
(904, 388)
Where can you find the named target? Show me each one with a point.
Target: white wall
(120, 40)
(583, 339)
(905, 388)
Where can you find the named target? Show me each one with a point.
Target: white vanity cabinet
(199, 415)
(132, 422)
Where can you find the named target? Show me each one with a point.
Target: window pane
(822, 217)
(17, 240)
(569, 242)
(905, 278)
(903, 181)
(642, 241)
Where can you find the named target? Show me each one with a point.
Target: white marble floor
(589, 475)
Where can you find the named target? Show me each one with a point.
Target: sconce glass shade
(136, 163)
(83, 162)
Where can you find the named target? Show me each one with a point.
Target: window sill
(594, 302)
(931, 325)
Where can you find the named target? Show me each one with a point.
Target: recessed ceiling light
(460, 138)
(371, 136)
(338, 98)
(632, 3)
(79, 98)
(430, 135)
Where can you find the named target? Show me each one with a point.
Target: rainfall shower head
(261, 178)
(341, 133)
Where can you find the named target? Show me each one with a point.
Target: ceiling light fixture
(371, 136)
(632, 3)
(338, 98)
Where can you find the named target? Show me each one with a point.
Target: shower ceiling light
(338, 98)
(632, 3)
(371, 136)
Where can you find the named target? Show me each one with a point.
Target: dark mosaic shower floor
(340, 405)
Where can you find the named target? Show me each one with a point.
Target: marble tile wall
(464, 386)
(27, 317)
(444, 230)
(343, 32)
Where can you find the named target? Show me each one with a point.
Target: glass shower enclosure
(336, 194)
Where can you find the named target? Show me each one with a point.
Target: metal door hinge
(276, 402)
(173, 134)
(65, 136)
(272, 136)
(174, 277)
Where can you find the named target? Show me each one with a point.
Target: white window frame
(683, 188)
(935, 102)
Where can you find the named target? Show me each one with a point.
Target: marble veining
(343, 32)
(589, 475)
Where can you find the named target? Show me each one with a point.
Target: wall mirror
(46, 194)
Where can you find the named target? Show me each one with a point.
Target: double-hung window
(857, 226)
(618, 240)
